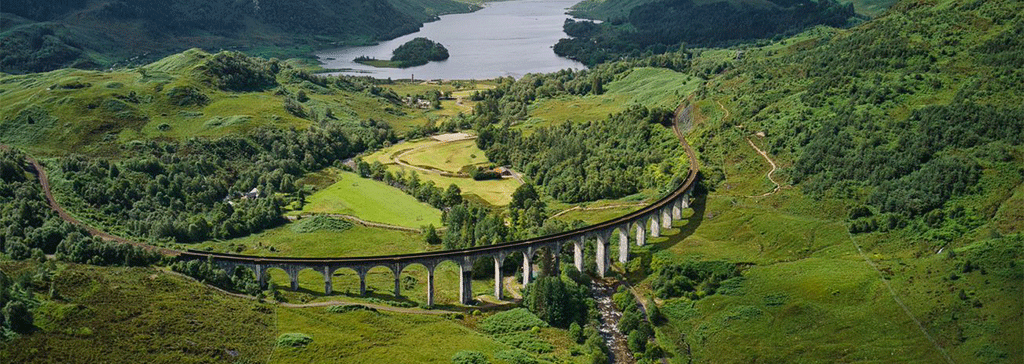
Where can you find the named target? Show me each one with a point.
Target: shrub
(295, 340)
(469, 357)
(518, 319)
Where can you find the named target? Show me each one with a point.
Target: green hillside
(38, 37)
(616, 9)
(664, 26)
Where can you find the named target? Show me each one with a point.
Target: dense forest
(45, 36)
(664, 26)
(32, 229)
(577, 162)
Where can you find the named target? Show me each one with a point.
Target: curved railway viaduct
(649, 220)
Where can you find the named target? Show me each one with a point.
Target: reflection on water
(510, 38)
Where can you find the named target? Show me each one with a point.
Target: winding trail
(44, 182)
(772, 171)
(720, 106)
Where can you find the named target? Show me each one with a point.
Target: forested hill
(661, 26)
(38, 36)
(612, 9)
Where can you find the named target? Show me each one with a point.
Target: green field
(449, 157)
(369, 337)
(493, 192)
(355, 241)
(371, 200)
(651, 87)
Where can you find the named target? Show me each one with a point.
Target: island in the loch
(416, 52)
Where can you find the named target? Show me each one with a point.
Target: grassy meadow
(651, 87)
(447, 156)
(371, 200)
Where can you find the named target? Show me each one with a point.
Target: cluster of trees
(191, 191)
(32, 228)
(558, 301)
(578, 162)
(410, 183)
(664, 26)
(18, 301)
(241, 280)
(693, 279)
(906, 162)
(419, 51)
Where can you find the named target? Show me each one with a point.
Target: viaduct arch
(649, 220)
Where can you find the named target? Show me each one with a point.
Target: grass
(371, 200)
(135, 315)
(651, 87)
(493, 192)
(450, 157)
(377, 337)
(355, 241)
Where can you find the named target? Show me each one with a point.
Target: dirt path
(560, 213)
(44, 182)
(720, 106)
(358, 221)
(770, 172)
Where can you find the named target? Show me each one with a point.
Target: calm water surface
(510, 38)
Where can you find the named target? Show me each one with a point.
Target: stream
(609, 329)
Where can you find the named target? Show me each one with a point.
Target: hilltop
(37, 37)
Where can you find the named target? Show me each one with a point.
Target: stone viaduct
(649, 220)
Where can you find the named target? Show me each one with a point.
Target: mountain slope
(91, 33)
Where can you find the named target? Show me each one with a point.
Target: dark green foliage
(233, 71)
(469, 357)
(430, 235)
(694, 279)
(905, 160)
(17, 300)
(241, 280)
(578, 162)
(514, 320)
(484, 174)
(191, 191)
(419, 51)
(30, 224)
(662, 26)
(558, 301)
(471, 225)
